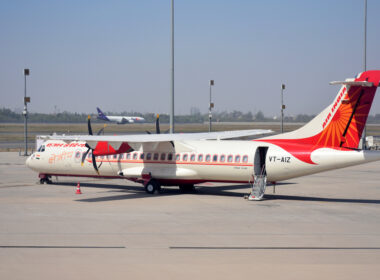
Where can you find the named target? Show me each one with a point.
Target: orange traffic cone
(78, 189)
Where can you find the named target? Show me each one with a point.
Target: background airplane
(327, 142)
(119, 119)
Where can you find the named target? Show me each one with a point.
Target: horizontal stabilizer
(352, 83)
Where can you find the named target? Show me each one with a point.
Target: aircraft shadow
(102, 186)
(136, 192)
(319, 199)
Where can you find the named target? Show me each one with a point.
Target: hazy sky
(116, 54)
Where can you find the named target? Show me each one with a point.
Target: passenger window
(200, 157)
(237, 158)
(121, 156)
(128, 156)
(208, 157)
(215, 158)
(184, 158)
(77, 154)
(192, 157)
(135, 156)
(163, 156)
(102, 157)
(230, 158)
(148, 156)
(155, 156)
(170, 156)
(245, 159)
(142, 156)
(89, 155)
(115, 156)
(222, 158)
(177, 157)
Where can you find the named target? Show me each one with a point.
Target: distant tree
(259, 116)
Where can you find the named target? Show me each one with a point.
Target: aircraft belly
(190, 172)
(161, 171)
(225, 172)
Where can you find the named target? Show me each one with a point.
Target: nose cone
(29, 161)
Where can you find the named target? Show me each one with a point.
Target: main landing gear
(152, 186)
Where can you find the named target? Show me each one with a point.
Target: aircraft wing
(137, 139)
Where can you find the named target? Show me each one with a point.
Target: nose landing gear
(45, 179)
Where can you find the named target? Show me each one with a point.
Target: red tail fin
(350, 113)
(340, 125)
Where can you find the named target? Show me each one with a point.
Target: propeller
(88, 146)
(158, 131)
(158, 124)
(101, 130)
(89, 125)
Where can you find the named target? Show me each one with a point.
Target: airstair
(259, 183)
(258, 187)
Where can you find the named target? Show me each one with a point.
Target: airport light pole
(282, 107)
(211, 105)
(172, 70)
(363, 140)
(25, 112)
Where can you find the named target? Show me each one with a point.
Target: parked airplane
(119, 119)
(327, 142)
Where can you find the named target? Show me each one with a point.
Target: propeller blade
(101, 130)
(89, 125)
(85, 155)
(94, 163)
(158, 124)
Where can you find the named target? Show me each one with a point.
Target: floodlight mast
(172, 71)
(25, 113)
(282, 107)
(363, 145)
(211, 105)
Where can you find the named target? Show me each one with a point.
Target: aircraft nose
(28, 162)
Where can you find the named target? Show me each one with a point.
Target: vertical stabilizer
(340, 125)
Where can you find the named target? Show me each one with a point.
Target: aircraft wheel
(152, 186)
(187, 188)
(46, 180)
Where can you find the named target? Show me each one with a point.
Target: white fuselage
(124, 119)
(193, 161)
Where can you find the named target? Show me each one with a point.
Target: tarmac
(324, 226)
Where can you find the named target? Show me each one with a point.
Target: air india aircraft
(327, 142)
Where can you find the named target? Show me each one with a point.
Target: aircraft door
(259, 162)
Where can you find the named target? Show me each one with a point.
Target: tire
(152, 186)
(42, 181)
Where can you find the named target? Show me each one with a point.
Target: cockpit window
(41, 148)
